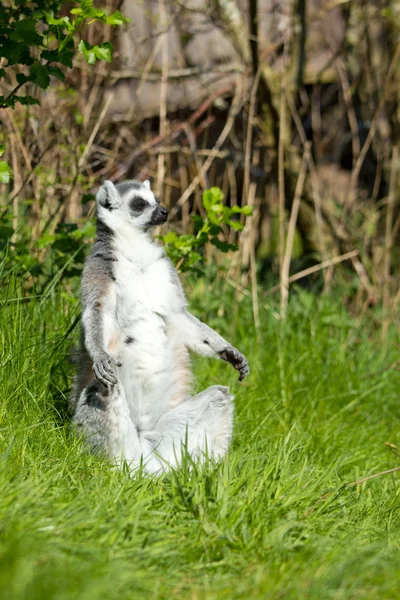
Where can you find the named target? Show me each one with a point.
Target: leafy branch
(39, 43)
(186, 250)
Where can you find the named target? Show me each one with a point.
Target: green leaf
(49, 55)
(21, 78)
(64, 22)
(116, 19)
(2, 149)
(46, 240)
(104, 51)
(214, 218)
(245, 210)
(56, 72)
(87, 198)
(198, 222)
(201, 238)
(170, 237)
(66, 57)
(86, 5)
(88, 52)
(93, 53)
(15, 52)
(40, 75)
(27, 100)
(207, 199)
(214, 229)
(89, 229)
(5, 172)
(236, 225)
(6, 233)
(98, 14)
(223, 246)
(212, 197)
(25, 31)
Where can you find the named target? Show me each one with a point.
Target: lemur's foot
(237, 360)
(104, 368)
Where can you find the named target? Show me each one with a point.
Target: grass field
(274, 520)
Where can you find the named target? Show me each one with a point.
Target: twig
(28, 177)
(16, 182)
(389, 243)
(238, 287)
(253, 268)
(163, 99)
(145, 74)
(314, 178)
(291, 231)
(93, 98)
(236, 104)
(351, 113)
(21, 144)
(393, 448)
(281, 178)
(96, 128)
(173, 74)
(247, 155)
(363, 153)
(314, 269)
(364, 280)
(173, 133)
(17, 87)
(233, 23)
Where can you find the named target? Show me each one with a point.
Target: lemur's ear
(107, 196)
(146, 183)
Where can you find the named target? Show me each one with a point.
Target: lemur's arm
(200, 338)
(97, 304)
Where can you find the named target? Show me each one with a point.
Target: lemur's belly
(144, 344)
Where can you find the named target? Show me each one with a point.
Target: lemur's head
(129, 203)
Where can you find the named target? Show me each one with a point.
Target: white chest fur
(143, 278)
(145, 299)
(144, 289)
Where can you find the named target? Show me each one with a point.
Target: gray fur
(127, 186)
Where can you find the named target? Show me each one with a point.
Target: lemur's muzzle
(159, 216)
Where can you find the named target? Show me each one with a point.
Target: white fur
(149, 309)
(147, 329)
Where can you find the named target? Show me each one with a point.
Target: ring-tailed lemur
(131, 392)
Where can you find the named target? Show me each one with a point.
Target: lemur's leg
(200, 338)
(201, 425)
(103, 419)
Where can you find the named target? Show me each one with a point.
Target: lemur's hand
(104, 368)
(237, 360)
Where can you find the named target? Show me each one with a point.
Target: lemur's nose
(163, 211)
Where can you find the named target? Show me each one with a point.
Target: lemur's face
(130, 203)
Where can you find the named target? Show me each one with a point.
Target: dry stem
(291, 231)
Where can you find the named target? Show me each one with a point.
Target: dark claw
(237, 360)
(244, 371)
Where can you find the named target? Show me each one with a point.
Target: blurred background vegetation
(289, 107)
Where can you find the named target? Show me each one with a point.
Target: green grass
(315, 413)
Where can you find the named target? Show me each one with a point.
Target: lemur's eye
(138, 204)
